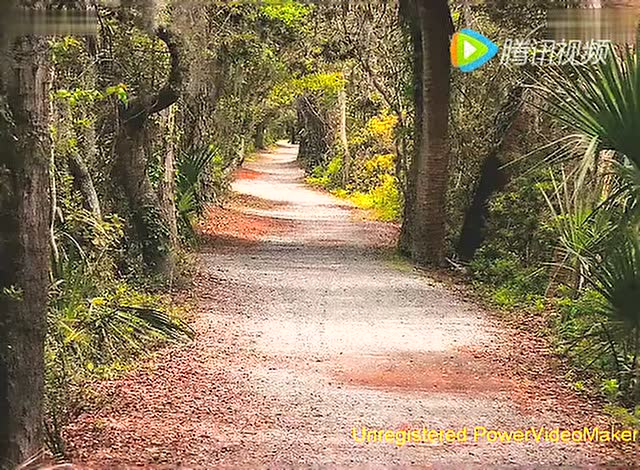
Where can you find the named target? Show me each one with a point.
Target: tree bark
(346, 167)
(151, 224)
(492, 177)
(294, 132)
(24, 246)
(82, 178)
(407, 10)
(167, 192)
(259, 138)
(430, 167)
(317, 135)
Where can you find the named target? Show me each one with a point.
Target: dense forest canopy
(113, 145)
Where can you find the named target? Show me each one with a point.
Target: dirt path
(307, 330)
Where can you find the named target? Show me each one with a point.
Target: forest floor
(308, 328)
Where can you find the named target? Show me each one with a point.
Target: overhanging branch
(141, 108)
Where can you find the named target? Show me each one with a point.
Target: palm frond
(617, 279)
(600, 102)
(191, 169)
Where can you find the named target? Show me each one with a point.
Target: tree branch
(170, 93)
(141, 108)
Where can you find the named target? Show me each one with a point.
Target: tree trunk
(82, 178)
(346, 167)
(167, 192)
(406, 233)
(150, 221)
(24, 247)
(259, 138)
(150, 224)
(492, 177)
(316, 136)
(430, 172)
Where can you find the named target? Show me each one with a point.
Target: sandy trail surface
(309, 330)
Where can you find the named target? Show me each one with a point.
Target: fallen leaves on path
(185, 406)
(446, 372)
(246, 174)
(222, 224)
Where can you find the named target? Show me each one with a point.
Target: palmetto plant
(617, 280)
(102, 329)
(583, 233)
(600, 105)
(95, 325)
(190, 172)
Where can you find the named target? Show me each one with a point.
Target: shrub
(385, 199)
(329, 176)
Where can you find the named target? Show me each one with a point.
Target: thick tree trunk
(431, 159)
(150, 221)
(151, 225)
(24, 247)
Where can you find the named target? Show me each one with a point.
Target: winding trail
(309, 328)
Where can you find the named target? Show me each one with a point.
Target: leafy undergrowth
(100, 335)
(570, 327)
(182, 405)
(384, 201)
(380, 195)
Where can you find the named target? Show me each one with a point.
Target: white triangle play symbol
(469, 49)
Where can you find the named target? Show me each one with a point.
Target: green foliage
(384, 199)
(600, 101)
(381, 193)
(65, 50)
(97, 323)
(293, 14)
(372, 172)
(519, 235)
(601, 105)
(617, 278)
(79, 96)
(232, 54)
(111, 327)
(596, 220)
(378, 135)
(371, 182)
(611, 389)
(514, 284)
(629, 418)
(190, 194)
(328, 177)
(326, 84)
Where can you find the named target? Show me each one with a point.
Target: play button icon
(471, 50)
